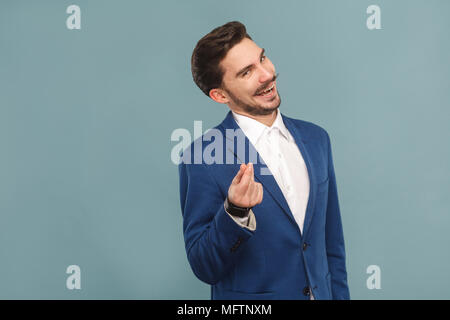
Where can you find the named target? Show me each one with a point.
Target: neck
(266, 119)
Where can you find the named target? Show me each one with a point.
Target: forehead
(241, 55)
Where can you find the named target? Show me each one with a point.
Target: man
(270, 229)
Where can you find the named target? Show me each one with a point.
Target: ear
(218, 95)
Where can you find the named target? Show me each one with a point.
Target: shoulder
(309, 130)
(192, 151)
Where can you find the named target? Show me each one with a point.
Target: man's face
(247, 73)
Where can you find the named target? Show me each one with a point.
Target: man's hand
(244, 191)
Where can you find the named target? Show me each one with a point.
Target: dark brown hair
(209, 52)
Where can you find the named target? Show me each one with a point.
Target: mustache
(266, 85)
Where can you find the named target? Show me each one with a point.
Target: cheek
(246, 90)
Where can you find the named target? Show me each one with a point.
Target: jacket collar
(230, 123)
(254, 129)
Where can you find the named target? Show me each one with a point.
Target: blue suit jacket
(272, 261)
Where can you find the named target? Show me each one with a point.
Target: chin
(275, 103)
(267, 110)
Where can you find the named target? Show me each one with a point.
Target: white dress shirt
(278, 149)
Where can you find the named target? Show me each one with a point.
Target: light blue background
(86, 118)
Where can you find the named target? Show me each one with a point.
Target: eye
(263, 58)
(246, 73)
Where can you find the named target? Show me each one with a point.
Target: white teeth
(267, 90)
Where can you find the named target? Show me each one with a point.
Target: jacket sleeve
(335, 236)
(211, 235)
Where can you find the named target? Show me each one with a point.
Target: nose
(265, 75)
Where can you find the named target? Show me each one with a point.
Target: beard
(255, 109)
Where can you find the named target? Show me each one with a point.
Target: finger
(246, 178)
(238, 176)
(252, 193)
(255, 193)
(261, 192)
(252, 171)
(256, 196)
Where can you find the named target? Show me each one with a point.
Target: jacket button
(306, 291)
(305, 245)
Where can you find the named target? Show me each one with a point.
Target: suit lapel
(305, 150)
(265, 177)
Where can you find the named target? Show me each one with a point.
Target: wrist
(235, 210)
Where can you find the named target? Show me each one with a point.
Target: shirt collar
(253, 129)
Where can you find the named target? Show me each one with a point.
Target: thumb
(240, 173)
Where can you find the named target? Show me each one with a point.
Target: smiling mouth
(267, 91)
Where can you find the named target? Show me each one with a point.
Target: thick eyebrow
(250, 65)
